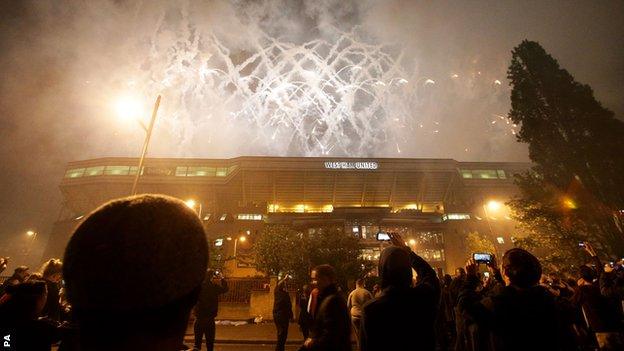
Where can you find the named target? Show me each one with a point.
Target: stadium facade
(433, 203)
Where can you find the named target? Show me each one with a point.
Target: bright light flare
(494, 206)
(569, 203)
(128, 107)
(242, 239)
(30, 233)
(190, 203)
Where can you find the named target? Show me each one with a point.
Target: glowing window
(117, 170)
(200, 172)
(455, 216)
(222, 172)
(74, 173)
(501, 174)
(181, 171)
(223, 217)
(94, 171)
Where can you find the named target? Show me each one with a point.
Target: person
(4, 262)
(282, 313)
(305, 318)
(331, 330)
(356, 300)
(376, 290)
(20, 274)
(133, 271)
(445, 321)
(51, 274)
(207, 308)
(19, 318)
(522, 315)
(403, 316)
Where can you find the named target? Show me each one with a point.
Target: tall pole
(148, 135)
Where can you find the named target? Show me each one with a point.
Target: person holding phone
(207, 308)
(521, 316)
(402, 317)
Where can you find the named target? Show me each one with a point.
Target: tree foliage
(575, 188)
(281, 249)
(477, 242)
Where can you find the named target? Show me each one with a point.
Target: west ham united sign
(365, 165)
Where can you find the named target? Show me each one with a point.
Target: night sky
(61, 63)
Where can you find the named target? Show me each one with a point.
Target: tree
(281, 249)
(342, 251)
(477, 242)
(575, 190)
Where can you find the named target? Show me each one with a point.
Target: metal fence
(240, 289)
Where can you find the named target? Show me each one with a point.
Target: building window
(483, 174)
(200, 172)
(249, 217)
(222, 172)
(223, 217)
(455, 216)
(181, 171)
(117, 170)
(74, 173)
(94, 171)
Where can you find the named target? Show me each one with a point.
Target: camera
(480, 257)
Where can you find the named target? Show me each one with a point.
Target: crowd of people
(136, 268)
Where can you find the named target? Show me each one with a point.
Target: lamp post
(33, 235)
(192, 204)
(148, 135)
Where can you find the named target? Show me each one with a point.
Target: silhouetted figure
(520, 316)
(357, 298)
(133, 270)
(305, 318)
(19, 319)
(282, 313)
(207, 309)
(52, 274)
(20, 274)
(403, 316)
(331, 330)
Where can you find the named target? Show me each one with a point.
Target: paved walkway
(251, 333)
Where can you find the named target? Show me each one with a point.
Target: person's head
(21, 272)
(24, 301)
(325, 275)
(306, 289)
(52, 270)
(395, 268)
(460, 272)
(376, 287)
(587, 273)
(520, 268)
(133, 270)
(359, 283)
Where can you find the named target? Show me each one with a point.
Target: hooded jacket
(403, 316)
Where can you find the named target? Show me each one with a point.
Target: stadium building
(433, 203)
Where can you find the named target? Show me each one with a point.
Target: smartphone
(582, 244)
(482, 257)
(383, 236)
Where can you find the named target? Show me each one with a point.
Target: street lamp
(192, 204)
(242, 239)
(33, 235)
(130, 108)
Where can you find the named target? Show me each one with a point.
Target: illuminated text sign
(351, 165)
